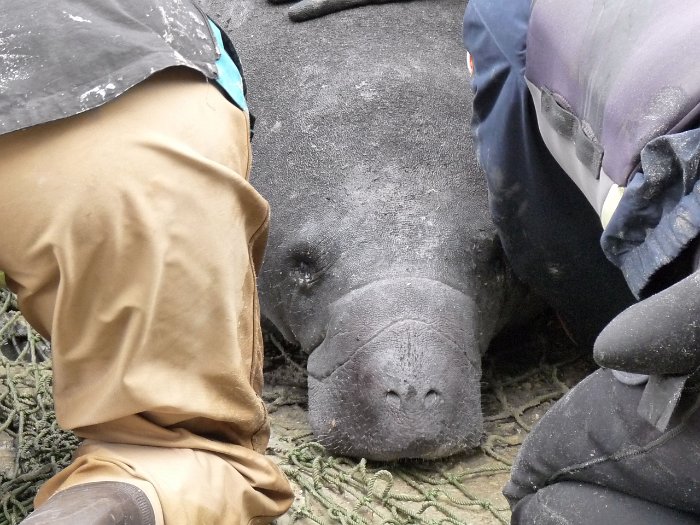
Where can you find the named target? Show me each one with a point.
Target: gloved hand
(308, 9)
(659, 335)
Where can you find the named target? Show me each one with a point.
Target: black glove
(659, 335)
(308, 9)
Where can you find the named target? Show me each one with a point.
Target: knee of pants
(595, 435)
(493, 28)
(571, 432)
(495, 34)
(572, 503)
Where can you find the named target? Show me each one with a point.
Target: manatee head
(395, 316)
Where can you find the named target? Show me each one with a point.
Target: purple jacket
(616, 87)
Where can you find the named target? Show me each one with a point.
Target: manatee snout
(397, 374)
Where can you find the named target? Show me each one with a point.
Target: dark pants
(550, 233)
(591, 460)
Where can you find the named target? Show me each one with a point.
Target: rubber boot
(99, 503)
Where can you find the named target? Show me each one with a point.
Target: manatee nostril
(431, 398)
(393, 398)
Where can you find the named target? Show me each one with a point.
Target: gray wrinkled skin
(382, 262)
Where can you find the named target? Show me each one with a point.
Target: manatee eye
(304, 273)
(309, 262)
(304, 269)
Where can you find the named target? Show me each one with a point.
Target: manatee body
(382, 261)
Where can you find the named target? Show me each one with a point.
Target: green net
(32, 447)
(521, 380)
(523, 377)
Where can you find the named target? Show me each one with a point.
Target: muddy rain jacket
(63, 57)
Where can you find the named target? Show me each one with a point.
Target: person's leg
(571, 503)
(550, 233)
(131, 236)
(595, 436)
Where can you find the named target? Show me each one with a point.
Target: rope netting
(463, 489)
(32, 447)
(523, 376)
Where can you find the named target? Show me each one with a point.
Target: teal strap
(229, 78)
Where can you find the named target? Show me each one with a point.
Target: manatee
(382, 263)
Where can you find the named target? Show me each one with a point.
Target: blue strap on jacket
(229, 78)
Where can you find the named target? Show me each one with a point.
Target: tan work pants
(131, 236)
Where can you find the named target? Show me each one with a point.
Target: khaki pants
(131, 236)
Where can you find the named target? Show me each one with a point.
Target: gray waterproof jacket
(616, 87)
(62, 57)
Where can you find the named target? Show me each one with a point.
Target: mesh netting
(464, 489)
(32, 447)
(523, 376)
